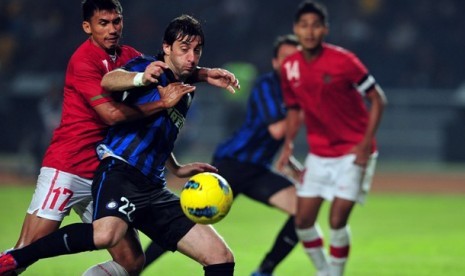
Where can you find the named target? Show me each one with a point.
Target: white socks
(339, 250)
(312, 240)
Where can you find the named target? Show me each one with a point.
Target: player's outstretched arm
(121, 80)
(189, 169)
(217, 77)
(114, 112)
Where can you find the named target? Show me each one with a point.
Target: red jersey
(72, 148)
(330, 90)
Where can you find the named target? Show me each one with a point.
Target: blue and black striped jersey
(252, 142)
(147, 143)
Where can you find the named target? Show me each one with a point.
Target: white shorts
(57, 192)
(330, 177)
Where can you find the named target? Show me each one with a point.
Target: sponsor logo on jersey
(176, 117)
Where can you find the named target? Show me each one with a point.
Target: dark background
(413, 48)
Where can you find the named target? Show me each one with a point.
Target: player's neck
(311, 54)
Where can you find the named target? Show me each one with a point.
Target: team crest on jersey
(112, 205)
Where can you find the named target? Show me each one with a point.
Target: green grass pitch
(393, 234)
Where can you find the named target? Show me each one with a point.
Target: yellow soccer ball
(206, 198)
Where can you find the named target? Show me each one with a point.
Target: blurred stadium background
(413, 48)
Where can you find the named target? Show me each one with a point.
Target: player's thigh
(272, 189)
(285, 199)
(239, 175)
(203, 244)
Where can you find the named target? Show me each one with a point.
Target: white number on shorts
(127, 208)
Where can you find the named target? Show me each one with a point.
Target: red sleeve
(357, 71)
(88, 73)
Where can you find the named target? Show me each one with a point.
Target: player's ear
(326, 30)
(166, 48)
(86, 27)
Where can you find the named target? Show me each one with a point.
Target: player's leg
(199, 242)
(104, 232)
(277, 191)
(352, 183)
(339, 234)
(114, 195)
(35, 227)
(127, 258)
(74, 238)
(69, 239)
(203, 244)
(310, 196)
(310, 233)
(55, 194)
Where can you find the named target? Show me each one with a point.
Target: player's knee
(108, 232)
(303, 223)
(106, 239)
(337, 222)
(219, 256)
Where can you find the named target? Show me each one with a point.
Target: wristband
(137, 81)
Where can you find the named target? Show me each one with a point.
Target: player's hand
(173, 92)
(153, 71)
(222, 78)
(362, 153)
(192, 169)
(293, 173)
(283, 159)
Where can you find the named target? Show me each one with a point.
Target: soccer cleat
(258, 273)
(7, 263)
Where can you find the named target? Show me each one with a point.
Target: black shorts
(122, 191)
(254, 181)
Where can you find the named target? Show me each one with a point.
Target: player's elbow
(107, 85)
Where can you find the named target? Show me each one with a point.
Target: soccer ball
(206, 198)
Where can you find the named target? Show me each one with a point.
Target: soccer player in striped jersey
(129, 187)
(245, 159)
(342, 106)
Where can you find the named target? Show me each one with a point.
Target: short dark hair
(312, 7)
(288, 39)
(90, 6)
(182, 26)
